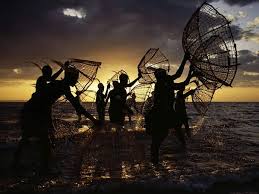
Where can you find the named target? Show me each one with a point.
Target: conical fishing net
(152, 60)
(208, 38)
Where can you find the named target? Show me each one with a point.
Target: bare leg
(187, 129)
(101, 115)
(157, 140)
(180, 134)
(18, 152)
(45, 150)
(130, 119)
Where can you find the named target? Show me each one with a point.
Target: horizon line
(6, 101)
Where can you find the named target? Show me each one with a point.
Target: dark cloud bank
(31, 29)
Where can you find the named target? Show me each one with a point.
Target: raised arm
(107, 89)
(181, 85)
(190, 92)
(181, 68)
(133, 82)
(78, 107)
(107, 99)
(55, 75)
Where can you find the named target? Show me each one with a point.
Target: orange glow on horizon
(21, 90)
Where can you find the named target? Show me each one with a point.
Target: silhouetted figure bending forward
(36, 120)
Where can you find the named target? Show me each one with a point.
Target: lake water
(224, 149)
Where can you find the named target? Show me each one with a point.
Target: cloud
(17, 70)
(16, 82)
(115, 31)
(245, 34)
(78, 13)
(230, 17)
(240, 2)
(246, 83)
(241, 14)
(25, 71)
(236, 16)
(237, 32)
(254, 23)
(250, 36)
(249, 60)
(248, 73)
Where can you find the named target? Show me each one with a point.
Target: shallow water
(224, 148)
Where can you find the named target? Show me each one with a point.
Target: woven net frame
(142, 92)
(152, 60)
(116, 76)
(205, 23)
(88, 71)
(202, 98)
(87, 75)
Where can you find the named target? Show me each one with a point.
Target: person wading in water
(36, 119)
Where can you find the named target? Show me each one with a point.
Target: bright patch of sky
(71, 12)
(247, 17)
(247, 45)
(243, 14)
(250, 73)
(254, 24)
(17, 71)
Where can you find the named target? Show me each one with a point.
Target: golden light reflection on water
(85, 128)
(139, 122)
(168, 165)
(198, 125)
(106, 176)
(126, 171)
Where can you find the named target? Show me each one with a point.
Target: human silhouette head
(47, 71)
(101, 87)
(115, 84)
(133, 95)
(66, 64)
(78, 93)
(124, 79)
(71, 75)
(160, 74)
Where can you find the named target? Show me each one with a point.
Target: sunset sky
(116, 33)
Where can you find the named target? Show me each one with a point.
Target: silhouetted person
(118, 99)
(162, 115)
(116, 96)
(181, 114)
(77, 98)
(46, 77)
(131, 106)
(36, 120)
(100, 101)
(146, 112)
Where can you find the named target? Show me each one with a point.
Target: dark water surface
(223, 155)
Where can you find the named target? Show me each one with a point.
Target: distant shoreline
(22, 101)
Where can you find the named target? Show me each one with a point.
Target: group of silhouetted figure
(119, 106)
(165, 109)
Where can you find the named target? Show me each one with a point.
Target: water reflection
(226, 144)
